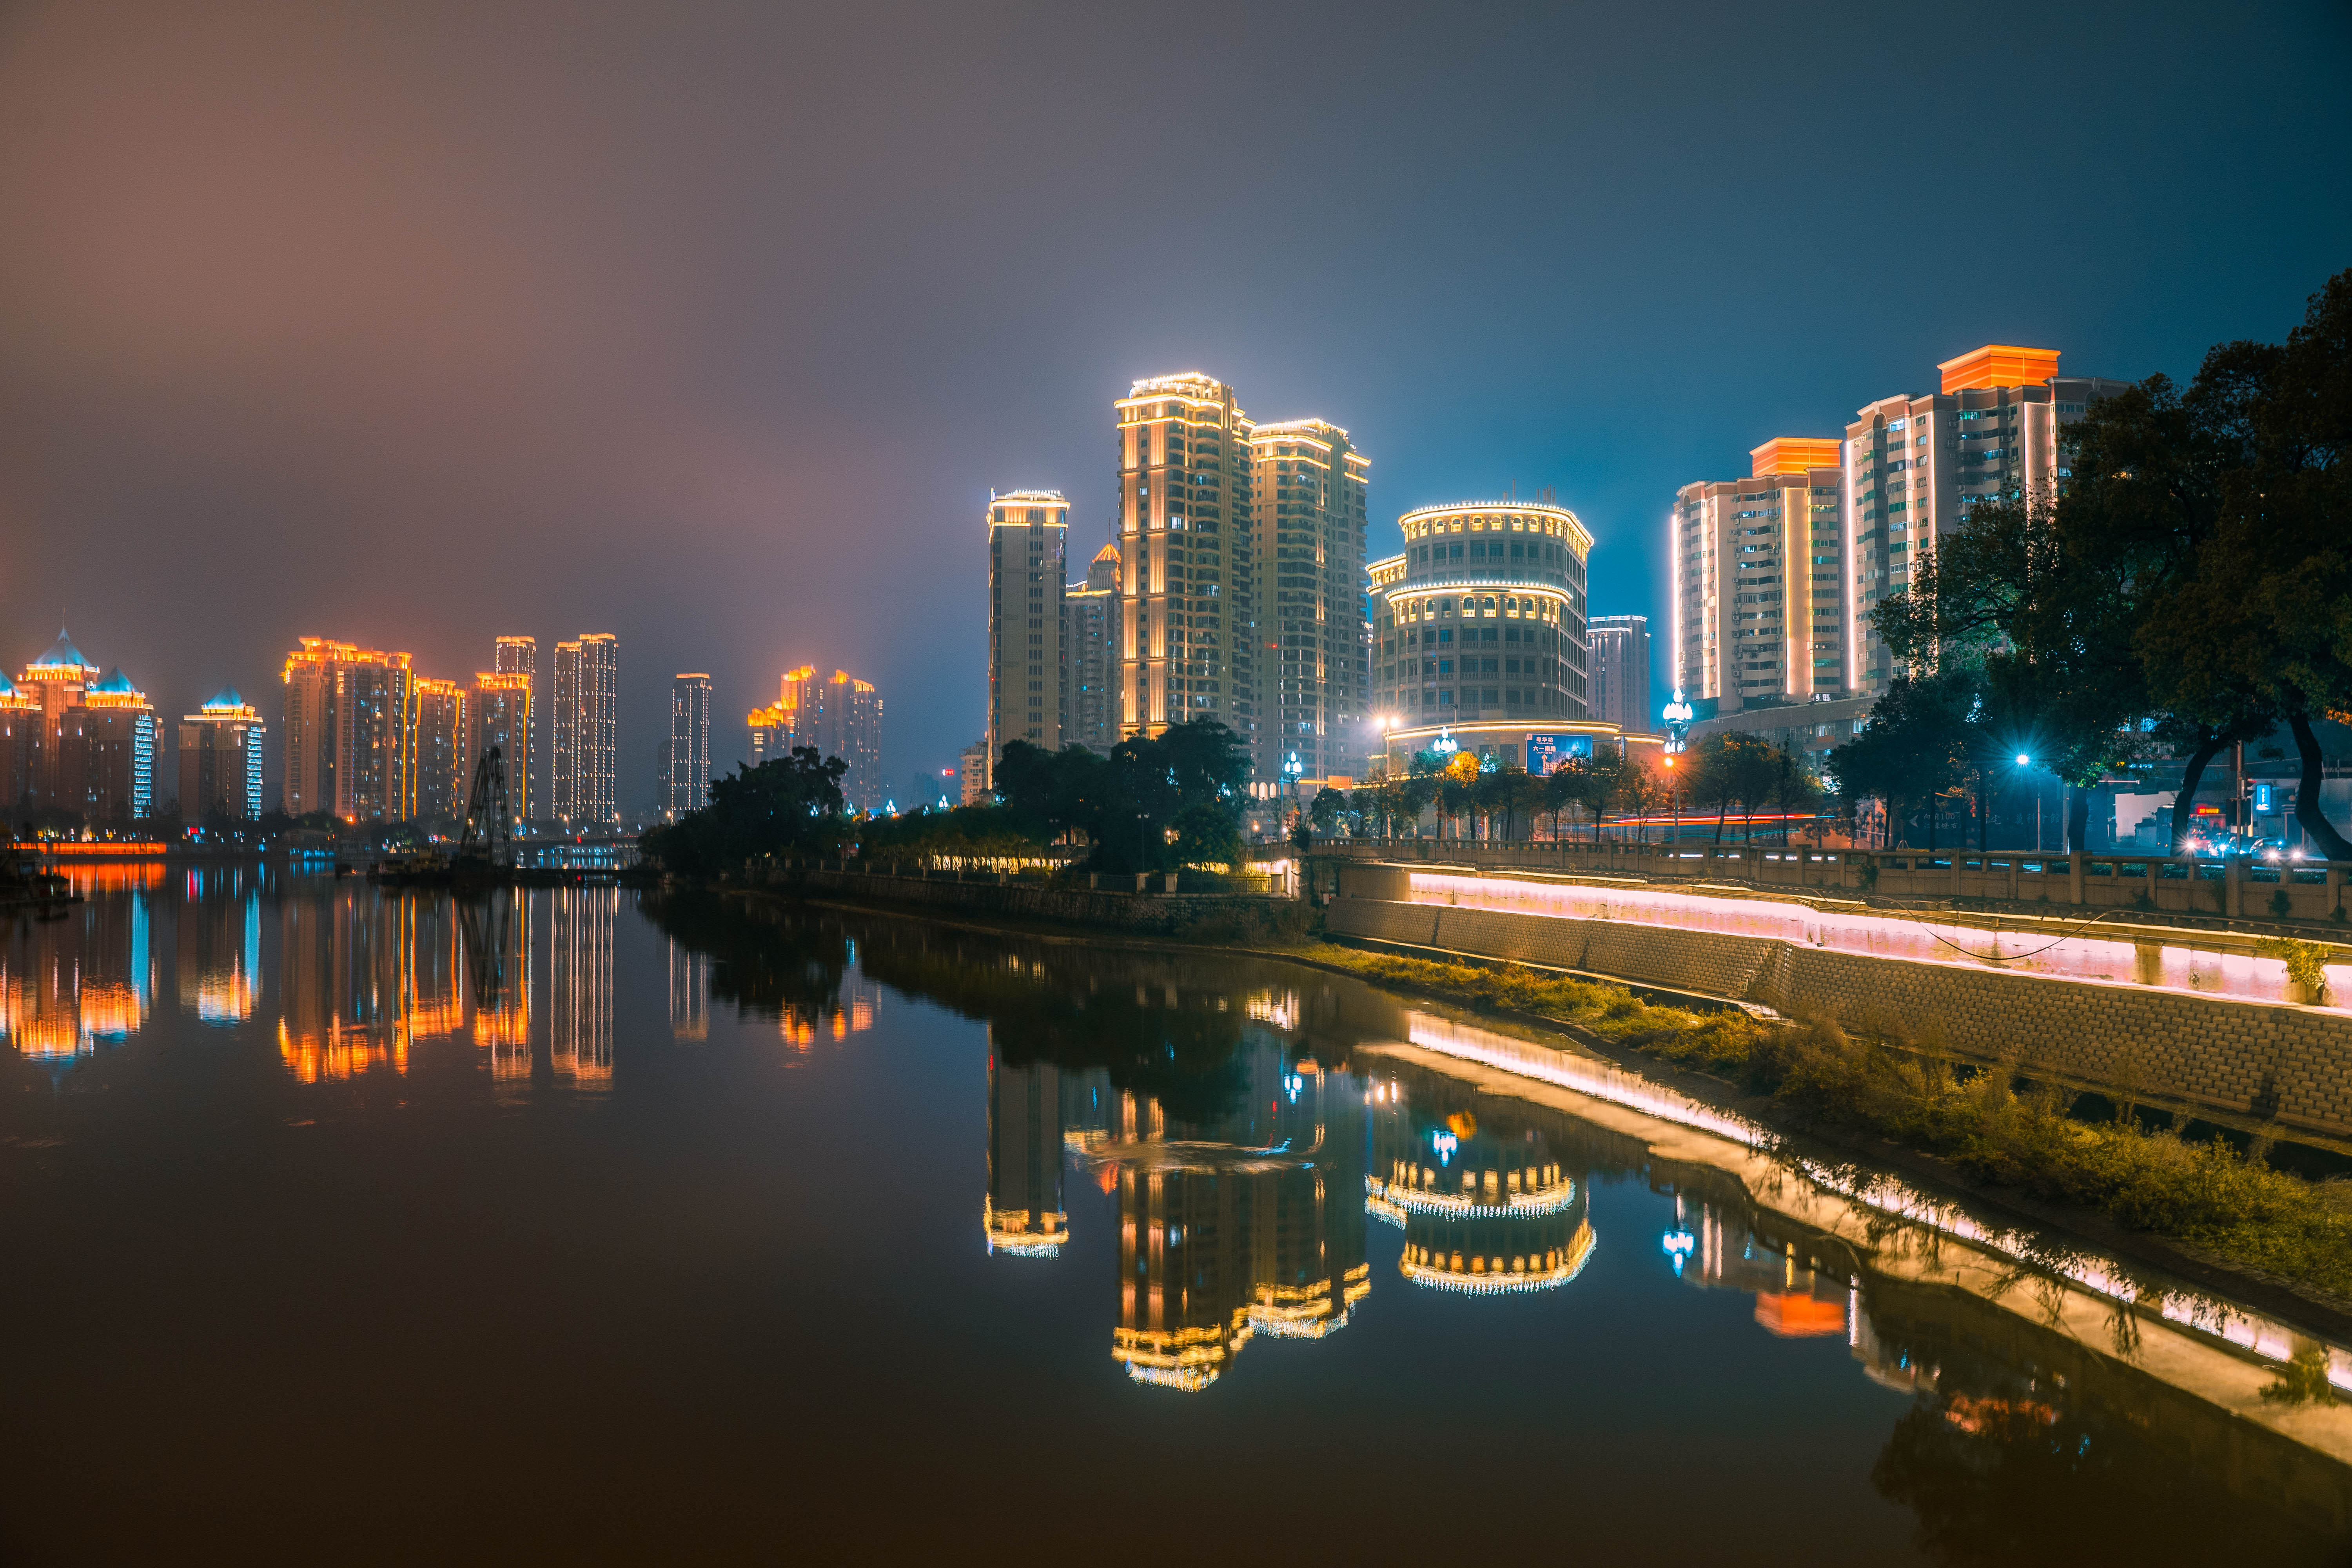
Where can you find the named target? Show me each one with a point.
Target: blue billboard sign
(1546, 752)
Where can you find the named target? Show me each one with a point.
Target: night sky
(712, 326)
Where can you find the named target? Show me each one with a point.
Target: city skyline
(640, 372)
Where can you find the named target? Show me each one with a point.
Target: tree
(2262, 626)
(1640, 792)
(1915, 747)
(1326, 808)
(789, 805)
(1730, 768)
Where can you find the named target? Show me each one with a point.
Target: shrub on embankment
(2209, 1196)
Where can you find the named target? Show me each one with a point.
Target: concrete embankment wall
(1103, 910)
(2249, 1057)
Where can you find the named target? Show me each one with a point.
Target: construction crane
(489, 837)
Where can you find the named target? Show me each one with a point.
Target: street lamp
(2025, 759)
(1293, 769)
(1675, 799)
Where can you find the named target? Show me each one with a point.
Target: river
(347, 1225)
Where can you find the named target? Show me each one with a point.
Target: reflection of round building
(1480, 1214)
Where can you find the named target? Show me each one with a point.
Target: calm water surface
(341, 1224)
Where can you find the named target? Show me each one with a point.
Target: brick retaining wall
(2249, 1057)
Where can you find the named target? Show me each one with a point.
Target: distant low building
(1619, 680)
(971, 774)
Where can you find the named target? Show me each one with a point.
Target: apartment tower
(445, 762)
(502, 712)
(838, 716)
(1028, 557)
(220, 759)
(1090, 645)
(350, 732)
(119, 739)
(687, 773)
(1619, 652)
(1312, 649)
(583, 756)
(1188, 622)
(526, 763)
(1759, 616)
(1914, 466)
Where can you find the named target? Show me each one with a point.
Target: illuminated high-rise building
(1090, 643)
(1313, 686)
(1618, 677)
(686, 775)
(527, 763)
(1188, 621)
(583, 753)
(444, 765)
(118, 736)
(1760, 618)
(79, 742)
(56, 681)
(1913, 466)
(838, 716)
(1481, 633)
(500, 715)
(220, 759)
(1028, 554)
(350, 732)
(21, 749)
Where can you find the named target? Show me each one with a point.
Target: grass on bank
(1907, 1088)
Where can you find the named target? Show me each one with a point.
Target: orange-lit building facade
(839, 715)
(350, 732)
(1309, 484)
(1914, 465)
(1761, 618)
(77, 741)
(445, 769)
(1188, 618)
(499, 713)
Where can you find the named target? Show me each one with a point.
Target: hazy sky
(712, 325)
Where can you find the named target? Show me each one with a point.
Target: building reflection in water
(1237, 1216)
(67, 986)
(850, 1012)
(219, 946)
(498, 930)
(689, 993)
(1023, 1213)
(579, 984)
(1794, 1301)
(362, 979)
(1486, 1205)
